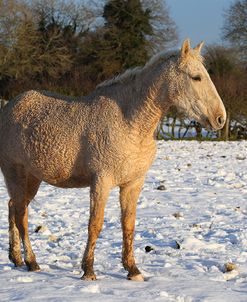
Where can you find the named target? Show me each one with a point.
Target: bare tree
(38, 42)
(24, 51)
(165, 29)
(65, 13)
(230, 78)
(235, 26)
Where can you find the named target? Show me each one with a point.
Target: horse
(103, 140)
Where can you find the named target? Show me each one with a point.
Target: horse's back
(41, 131)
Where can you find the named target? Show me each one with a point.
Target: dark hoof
(18, 263)
(33, 267)
(89, 277)
(16, 260)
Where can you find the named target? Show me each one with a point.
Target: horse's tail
(3, 103)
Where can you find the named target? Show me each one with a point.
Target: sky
(199, 19)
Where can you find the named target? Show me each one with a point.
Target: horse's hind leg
(14, 237)
(15, 182)
(22, 225)
(22, 189)
(32, 185)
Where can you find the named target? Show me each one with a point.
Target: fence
(182, 128)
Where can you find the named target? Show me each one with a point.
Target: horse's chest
(133, 162)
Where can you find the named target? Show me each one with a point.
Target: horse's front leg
(99, 192)
(128, 198)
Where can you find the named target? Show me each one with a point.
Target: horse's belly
(73, 182)
(63, 176)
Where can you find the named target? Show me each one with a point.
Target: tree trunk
(225, 132)
(198, 129)
(173, 126)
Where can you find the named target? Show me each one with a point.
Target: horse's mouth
(206, 123)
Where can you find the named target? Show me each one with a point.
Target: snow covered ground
(195, 226)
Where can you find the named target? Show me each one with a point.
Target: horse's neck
(148, 102)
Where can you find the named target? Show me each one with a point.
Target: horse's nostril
(220, 120)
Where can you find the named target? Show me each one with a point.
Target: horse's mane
(130, 73)
(163, 56)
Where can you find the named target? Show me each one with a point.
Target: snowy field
(195, 226)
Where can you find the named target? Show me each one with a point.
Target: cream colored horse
(103, 140)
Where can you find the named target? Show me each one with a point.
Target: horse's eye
(197, 78)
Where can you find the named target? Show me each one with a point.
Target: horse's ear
(199, 47)
(185, 48)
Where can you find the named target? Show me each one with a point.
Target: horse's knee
(94, 228)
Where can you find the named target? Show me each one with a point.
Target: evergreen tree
(130, 35)
(127, 27)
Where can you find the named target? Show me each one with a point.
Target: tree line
(70, 46)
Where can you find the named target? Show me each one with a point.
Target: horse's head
(193, 92)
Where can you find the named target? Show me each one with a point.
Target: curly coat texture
(103, 140)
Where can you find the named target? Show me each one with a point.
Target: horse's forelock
(192, 55)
